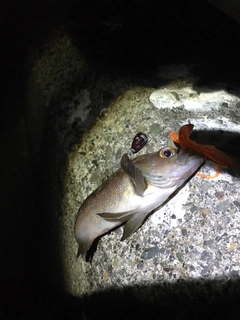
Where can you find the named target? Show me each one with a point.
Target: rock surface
(195, 235)
(78, 80)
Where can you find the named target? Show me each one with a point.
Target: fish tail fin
(79, 252)
(84, 246)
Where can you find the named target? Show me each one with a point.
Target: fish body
(133, 191)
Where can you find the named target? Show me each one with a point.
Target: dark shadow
(225, 140)
(139, 39)
(181, 300)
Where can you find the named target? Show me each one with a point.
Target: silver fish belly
(132, 192)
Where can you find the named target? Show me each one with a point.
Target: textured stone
(199, 213)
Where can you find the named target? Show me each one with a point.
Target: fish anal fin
(135, 174)
(133, 224)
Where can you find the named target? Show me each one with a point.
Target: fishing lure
(208, 151)
(138, 142)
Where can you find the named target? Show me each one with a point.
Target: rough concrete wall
(53, 68)
(229, 7)
(95, 67)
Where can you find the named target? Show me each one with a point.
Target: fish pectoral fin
(133, 224)
(138, 180)
(122, 216)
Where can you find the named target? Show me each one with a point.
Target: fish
(132, 192)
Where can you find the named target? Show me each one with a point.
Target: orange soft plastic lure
(208, 151)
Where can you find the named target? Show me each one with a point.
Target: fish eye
(166, 152)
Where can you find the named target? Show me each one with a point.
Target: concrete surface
(195, 235)
(76, 87)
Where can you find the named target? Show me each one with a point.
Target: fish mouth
(189, 161)
(186, 156)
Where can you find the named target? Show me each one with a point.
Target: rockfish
(132, 192)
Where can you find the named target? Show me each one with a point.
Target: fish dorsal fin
(138, 180)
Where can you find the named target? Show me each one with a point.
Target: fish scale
(140, 186)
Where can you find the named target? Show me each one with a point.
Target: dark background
(138, 36)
